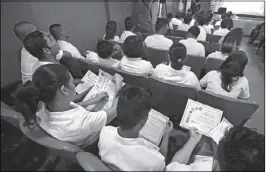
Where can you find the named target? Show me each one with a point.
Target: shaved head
(23, 28)
(56, 30)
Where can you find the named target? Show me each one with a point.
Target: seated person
(200, 22)
(207, 26)
(231, 23)
(191, 43)
(110, 31)
(218, 23)
(185, 26)
(175, 71)
(129, 28)
(223, 29)
(177, 20)
(236, 33)
(121, 147)
(189, 11)
(48, 101)
(158, 40)
(169, 19)
(60, 35)
(132, 61)
(228, 46)
(21, 30)
(194, 18)
(241, 149)
(104, 55)
(229, 80)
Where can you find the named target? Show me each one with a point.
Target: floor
(255, 73)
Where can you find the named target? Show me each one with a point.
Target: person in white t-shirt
(110, 31)
(129, 28)
(176, 71)
(200, 22)
(191, 43)
(177, 20)
(22, 29)
(228, 46)
(60, 35)
(158, 40)
(185, 26)
(169, 19)
(132, 61)
(48, 102)
(207, 26)
(194, 18)
(237, 34)
(229, 80)
(121, 147)
(223, 29)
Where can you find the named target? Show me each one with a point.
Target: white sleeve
(176, 166)
(202, 52)
(204, 80)
(149, 68)
(94, 121)
(244, 94)
(93, 57)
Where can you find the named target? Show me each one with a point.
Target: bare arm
(165, 140)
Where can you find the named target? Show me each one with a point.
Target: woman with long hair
(110, 31)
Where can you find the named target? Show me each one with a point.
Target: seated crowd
(51, 67)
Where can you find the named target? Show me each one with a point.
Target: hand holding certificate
(88, 81)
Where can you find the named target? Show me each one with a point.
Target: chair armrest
(90, 162)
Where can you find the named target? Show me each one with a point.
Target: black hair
(177, 54)
(229, 14)
(110, 30)
(104, 48)
(129, 24)
(189, 10)
(160, 23)
(34, 44)
(54, 30)
(201, 20)
(133, 47)
(178, 15)
(236, 33)
(194, 30)
(232, 67)
(169, 16)
(242, 149)
(228, 45)
(225, 23)
(187, 19)
(224, 16)
(134, 104)
(208, 18)
(45, 82)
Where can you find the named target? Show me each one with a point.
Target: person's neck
(159, 33)
(48, 58)
(62, 38)
(58, 106)
(127, 133)
(191, 37)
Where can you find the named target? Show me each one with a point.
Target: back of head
(23, 28)
(189, 11)
(46, 80)
(178, 15)
(110, 30)
(177, 54)
(134, 104)
(129, 24)
(133, 47)
(242, 149)
(229, 14)
(225, 23)
(229, 45)
(208, 18)
(233, 67)
(201, 20)
(224, 16)
(236, 33)
(161, 25)
(187, 19)
(169, 16)
(104, 49)
(55, 30)
(194, 31)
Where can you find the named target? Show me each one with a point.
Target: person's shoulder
(108, 129)
(160, 67)
(243, 80)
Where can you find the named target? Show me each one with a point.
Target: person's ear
(64, 90)
(46, 50)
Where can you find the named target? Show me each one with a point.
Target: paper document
(154, 128)
(89, 80)
(219, 131)
(200, 116)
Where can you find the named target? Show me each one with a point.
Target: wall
(84, 21)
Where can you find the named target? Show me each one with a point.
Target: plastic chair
(237, 111)
(196, 63)
(174, 38)
(156, 56)
(90, 162)
(179, 33)
(213, 64)
(214, 47)
(206, 46)
(213, 38)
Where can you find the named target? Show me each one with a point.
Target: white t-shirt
(218, 55)
(183, 76)
(27, 63)
(203, 35)
(192, 23)
(66, 46)
(158, 42)
(116, 38)
(129, 154)
(77, 125)
(176, 21)
(221, 32)
(40, 63)
(212, 81)
(125, 34)
(110, 62)
(207, 29)
(136, 65)
(200, 163)
(183, 27)
(193, 47)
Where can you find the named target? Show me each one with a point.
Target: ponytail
(228, 72)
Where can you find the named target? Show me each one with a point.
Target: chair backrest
(213, 64)
(214, 47)
(196, 63)
(179, 33)
(156, 56)
(90, 162)
(170, 98)
(213, 38)
(235, 110)
(174, 38)
(206, 46)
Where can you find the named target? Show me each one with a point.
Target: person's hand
(77, 81)
(101, 96)
(169, 128)
(117, 78)
(195, 135)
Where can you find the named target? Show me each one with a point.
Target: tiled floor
(255, 74)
